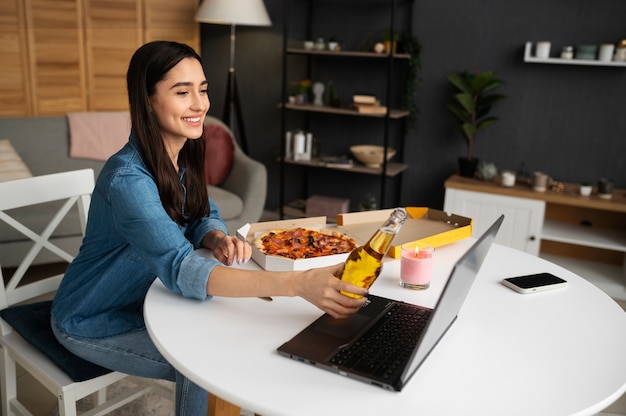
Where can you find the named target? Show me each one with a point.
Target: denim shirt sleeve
(159, 242)
(198, 229)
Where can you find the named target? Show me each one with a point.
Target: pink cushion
(220, 150)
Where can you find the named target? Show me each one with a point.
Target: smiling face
(181, 102)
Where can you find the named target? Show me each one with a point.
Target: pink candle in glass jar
(416, 265)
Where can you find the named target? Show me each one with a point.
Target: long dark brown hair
(149, 65)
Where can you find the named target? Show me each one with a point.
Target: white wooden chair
(28, 339)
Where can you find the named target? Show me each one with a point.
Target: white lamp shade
(237, 12)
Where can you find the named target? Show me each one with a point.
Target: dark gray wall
(566, 120)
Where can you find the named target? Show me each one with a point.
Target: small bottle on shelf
(364, 263)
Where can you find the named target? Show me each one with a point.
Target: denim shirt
(129, 241)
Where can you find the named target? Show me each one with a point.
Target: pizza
(303, 243)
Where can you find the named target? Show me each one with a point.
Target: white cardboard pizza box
(250, 232)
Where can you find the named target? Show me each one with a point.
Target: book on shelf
(343, 162)
(364, 99)
(370, 109)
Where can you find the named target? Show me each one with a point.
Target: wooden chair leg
(219, 407)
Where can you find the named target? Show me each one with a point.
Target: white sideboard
(584, 234)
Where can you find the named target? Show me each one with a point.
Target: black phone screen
(535, 280)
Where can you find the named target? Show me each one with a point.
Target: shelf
(603, 238)
(394, 114)
(609, 278)
(593, 62)
(385, 128)
(346, 54)
(393, 169)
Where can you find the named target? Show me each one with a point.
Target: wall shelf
(393, 169)
(393, 113)
(529, 58)
(350, 54)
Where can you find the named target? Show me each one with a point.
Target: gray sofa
(43, 144)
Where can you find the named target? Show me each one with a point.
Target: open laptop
(344, 346)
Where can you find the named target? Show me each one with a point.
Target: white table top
(561, 352)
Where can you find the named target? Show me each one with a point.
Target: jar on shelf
(620, 51)
(567, 52)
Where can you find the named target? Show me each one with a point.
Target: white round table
(561, 352)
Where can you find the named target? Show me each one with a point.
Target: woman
(149, 212)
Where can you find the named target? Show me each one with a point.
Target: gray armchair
(241, 196)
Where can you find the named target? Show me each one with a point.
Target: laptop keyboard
(387, 345)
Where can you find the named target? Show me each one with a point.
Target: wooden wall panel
(168, 20)
(57, 63)
(60, 56)
(14, 83)
(113, 33)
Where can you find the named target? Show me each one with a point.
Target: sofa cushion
(229, 204)
(219, 154)
(32, 322)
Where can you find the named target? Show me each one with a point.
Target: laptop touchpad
(341, 328)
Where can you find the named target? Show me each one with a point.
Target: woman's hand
(227, 248)
(322, 289)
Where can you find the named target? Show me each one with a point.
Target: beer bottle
(364, 263)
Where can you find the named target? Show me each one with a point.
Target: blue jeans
(134, 353)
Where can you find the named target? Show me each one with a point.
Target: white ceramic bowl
(370, 155)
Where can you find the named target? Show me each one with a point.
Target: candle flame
(417, 250)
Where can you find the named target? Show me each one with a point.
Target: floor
(41, 402)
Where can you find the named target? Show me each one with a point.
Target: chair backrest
(70, 188)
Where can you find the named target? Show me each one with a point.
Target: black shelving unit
(315, 62)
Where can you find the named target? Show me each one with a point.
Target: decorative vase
(390, 47)
(467, 167)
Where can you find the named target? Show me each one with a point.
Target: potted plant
(303, 88)
(585, 189)
(471, 105)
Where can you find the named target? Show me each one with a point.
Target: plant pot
(467, 167)
(585, 190)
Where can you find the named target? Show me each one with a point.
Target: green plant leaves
(472, 103)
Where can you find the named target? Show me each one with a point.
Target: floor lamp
(233, 12)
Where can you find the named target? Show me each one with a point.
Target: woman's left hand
(228, 248)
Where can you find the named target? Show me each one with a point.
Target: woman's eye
(182, 93)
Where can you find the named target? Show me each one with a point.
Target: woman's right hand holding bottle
(322, 289)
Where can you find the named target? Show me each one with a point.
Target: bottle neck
(394, 222)
(382, 239)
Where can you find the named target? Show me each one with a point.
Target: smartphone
(534, 282)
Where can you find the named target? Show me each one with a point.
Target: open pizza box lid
(427, 225)
(250, 232)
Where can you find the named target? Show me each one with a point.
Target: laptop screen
(454, 293)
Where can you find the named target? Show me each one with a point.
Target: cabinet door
(523, 220)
